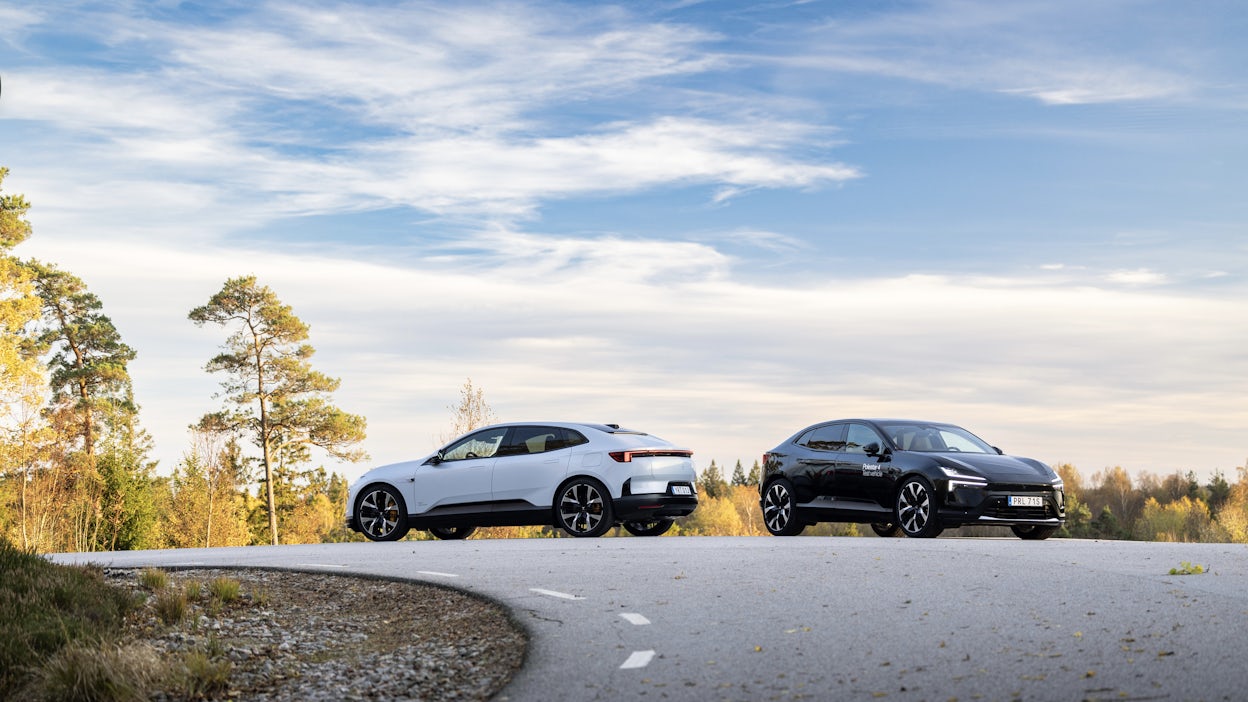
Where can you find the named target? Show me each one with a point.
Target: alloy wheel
(914, 509)
(379, 514)
(584, 510)
(778, 510)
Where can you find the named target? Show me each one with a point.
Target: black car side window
(830, 437)
(859, 436)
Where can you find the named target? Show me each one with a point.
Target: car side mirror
(437, 458)
(999, 451)
(872, 449)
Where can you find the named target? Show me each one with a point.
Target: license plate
(1026, 501)
(682, 490)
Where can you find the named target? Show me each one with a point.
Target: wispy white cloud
(1142, 276)
(1037, 50)
(462, 96)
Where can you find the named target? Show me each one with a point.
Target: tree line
(76, 472)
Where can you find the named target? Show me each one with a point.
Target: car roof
(885, 420)
(605, 428)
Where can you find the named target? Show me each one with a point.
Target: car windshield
(935, 438)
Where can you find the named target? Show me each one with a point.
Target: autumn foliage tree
(22, 383)
(271, 390)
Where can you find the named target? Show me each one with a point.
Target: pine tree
(711, 483)
(738, 475)
(271, 390)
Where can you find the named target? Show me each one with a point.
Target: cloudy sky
(715, 221)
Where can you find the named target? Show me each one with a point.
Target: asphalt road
(816, 618)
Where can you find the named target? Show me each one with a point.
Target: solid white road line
(638, 659)
(437, 574)
(552, 593)
(320, 565)
(632, 618)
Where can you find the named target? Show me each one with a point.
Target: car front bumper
(965, 504)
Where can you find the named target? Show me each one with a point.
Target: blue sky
(715, 221)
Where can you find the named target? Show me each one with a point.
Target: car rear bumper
(639, 508)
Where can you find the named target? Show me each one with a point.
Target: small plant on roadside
(194, 589)
(224, 589)
(1186, 568)
(202, 676)
(153, 579)
(171, 607)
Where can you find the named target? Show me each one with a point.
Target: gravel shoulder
(314, 636)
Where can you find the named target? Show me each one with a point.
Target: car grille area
(999, 508)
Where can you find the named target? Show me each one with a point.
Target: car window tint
(859, 436)
(526, 440)
(830, 437)
(483, 444)
(571, 437)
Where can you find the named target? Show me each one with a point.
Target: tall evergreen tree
(271, 390)
(89, 363)
(738, 475)
(110, 502)
(711, 483)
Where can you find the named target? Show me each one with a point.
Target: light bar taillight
(627, 456)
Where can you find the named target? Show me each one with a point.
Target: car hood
(999, 468)
(392, 471)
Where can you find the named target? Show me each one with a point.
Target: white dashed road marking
(437, 574)
(632, 618)
(639, 659)
(552, 593)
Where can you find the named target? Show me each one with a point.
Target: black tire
(583, 508)
(886, 529)
(452, 533)
(654, 527)
(1031, 532)
(778, 512)
(916, 509)
(381, 513)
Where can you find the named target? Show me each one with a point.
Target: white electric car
(583, 478)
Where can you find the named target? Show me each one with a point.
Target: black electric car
(905, 476)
